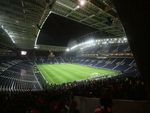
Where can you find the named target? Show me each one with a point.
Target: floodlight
(125, 39)
(89, 42)
(82, 2)
(77, 7)
(119, 41)
(115, 39)
(104, 42)
(67, 49)
(23, 53)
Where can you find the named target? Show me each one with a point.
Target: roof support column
(135, 19)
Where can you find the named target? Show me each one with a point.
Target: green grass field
(62, 73)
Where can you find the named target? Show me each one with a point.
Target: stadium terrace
(74, 56)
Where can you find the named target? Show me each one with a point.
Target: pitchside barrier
(88, 105)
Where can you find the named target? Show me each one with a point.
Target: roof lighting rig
(97, 42)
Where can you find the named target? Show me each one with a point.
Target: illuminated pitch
(63, 73)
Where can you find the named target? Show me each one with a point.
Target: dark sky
(59, 31)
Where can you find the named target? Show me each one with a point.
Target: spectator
(98, 109)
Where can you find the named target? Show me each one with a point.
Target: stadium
(73, 56)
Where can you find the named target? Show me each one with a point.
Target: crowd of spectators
(33, 102)
(59, 98)
(124, 86)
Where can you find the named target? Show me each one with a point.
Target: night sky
(58, 31)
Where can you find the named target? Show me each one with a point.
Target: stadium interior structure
(56, 52)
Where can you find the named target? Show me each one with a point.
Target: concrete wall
(87, 105)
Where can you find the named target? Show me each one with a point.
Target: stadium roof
(22, 20)
(58, 31)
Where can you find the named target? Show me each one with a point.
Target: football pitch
(63, 73)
